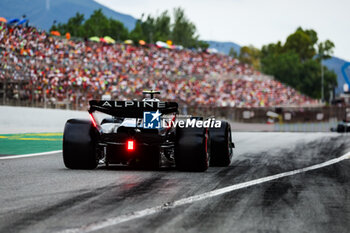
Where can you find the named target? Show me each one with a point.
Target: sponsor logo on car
(151, 120)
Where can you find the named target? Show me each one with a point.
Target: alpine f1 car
(145, 134)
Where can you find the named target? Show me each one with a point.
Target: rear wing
(132, 109)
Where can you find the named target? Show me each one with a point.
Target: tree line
(179, 29)
(297, 62)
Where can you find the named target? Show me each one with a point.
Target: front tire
(79, 147)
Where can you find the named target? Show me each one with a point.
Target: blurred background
(283, 74)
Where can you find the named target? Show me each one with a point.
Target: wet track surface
(39, 195)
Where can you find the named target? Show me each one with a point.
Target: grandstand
(41, 70)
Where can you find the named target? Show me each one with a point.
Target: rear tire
(79, 148)
(221, 148)
(191, 149)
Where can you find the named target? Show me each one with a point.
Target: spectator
(58, 69)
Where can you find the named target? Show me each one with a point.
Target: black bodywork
(149, 144)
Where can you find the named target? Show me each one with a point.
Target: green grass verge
(16, 144)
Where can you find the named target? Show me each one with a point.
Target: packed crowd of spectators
(58, 69)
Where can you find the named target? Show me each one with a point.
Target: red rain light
(130, 145)
(93, 120)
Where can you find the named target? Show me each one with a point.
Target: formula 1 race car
(342, 127)
(145, 134)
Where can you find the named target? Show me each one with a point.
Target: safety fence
(279, 119)
(281, 115)
(261, 119)
(305, 127)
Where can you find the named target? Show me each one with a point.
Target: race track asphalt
(38, 194)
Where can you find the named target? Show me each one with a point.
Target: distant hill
(42, 13)
(336, 64)
(223, 47)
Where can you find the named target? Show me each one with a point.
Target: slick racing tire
(191, 149)
(221, 145)
(79, 145)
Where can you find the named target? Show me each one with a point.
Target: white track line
(169, 205)
(30, 155)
